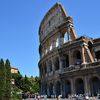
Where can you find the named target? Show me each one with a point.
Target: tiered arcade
(68, 64)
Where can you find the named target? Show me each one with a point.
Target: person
(38, 97)
(58, 97)
(45, 97)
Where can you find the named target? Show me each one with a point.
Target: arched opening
(65, 61)
(97, 55)
(58, 89)
(65, 37)
(51, 89)
(79, 86)
(56, 63)
(45, 89)
(57, 42)
(61, 38)
(45, 68)
(41, 70)
(67, 88)
(95, 86)
(49, 66)
(77, 57)
(90, 46)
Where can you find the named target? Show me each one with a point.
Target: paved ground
(44, 99)
(56, 99)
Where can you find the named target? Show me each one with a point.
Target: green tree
(35, 84)
(7, 79)
(26, 84)
(2, 81)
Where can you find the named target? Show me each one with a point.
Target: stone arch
(90, 46)
(56, 63)
(77, 57)
(45, 67)
(79, 83)
(97, 54)
(67, 88)
(46, 89)
(49, 65)
(95, 85)
(51, 89)
(58, 88)
(41, 69)
(65, 61)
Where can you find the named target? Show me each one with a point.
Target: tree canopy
(5, 80)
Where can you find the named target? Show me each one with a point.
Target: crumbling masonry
(67, 66)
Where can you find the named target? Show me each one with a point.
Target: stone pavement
(56, 99)
(43, 99)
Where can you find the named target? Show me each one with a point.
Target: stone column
(86, 85)
(54, 91)
(41, 88)
(88, 52)
(83, 55)
(53, 66)
(70, 58)
(53, 42)
(48, 92)
(47, 66)
(73, 86)
(70, 29)
(69, 35)
(63, 88)
(60, 63)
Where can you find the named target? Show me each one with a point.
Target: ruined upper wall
(53, 19)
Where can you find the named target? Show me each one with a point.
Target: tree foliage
(35, 84)
(5, 80)
(26, 84)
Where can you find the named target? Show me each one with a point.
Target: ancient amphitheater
(68, 64)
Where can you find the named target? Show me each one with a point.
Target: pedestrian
(38, 97)
(58, 97)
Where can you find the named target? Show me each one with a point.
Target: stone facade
(67, 66)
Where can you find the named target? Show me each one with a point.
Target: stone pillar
(70, 29)
(54, 91)
(60, 63)
(48, 92)
(47, 66)
(69, 36)
(63, 88)
(86, 85)
(53, 66)
(83, 55)
(73, 87)
(70, 58)
(88, 52)
(41, 88)
(53, 44)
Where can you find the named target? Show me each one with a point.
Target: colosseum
(68, 64)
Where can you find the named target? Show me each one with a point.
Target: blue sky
(19, 24)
